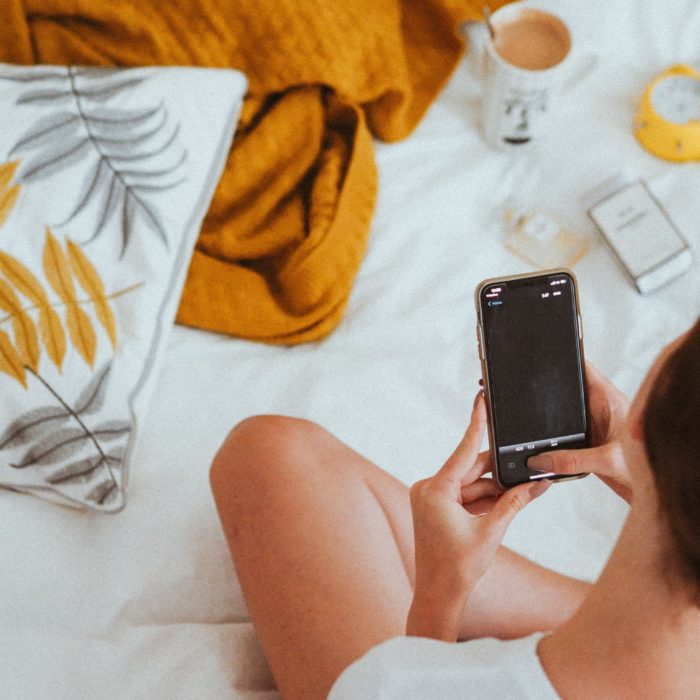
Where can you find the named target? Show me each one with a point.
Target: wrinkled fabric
(289, 224)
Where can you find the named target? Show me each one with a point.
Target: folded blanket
(289, 224)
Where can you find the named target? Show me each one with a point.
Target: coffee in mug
(533, 40)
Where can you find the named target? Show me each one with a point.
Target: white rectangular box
(642, 236)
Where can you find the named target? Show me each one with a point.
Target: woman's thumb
(565, 461)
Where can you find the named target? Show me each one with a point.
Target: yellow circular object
(668, 120)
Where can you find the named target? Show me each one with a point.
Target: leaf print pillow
(105, 177)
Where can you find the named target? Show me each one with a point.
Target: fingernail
(538, 488)
(479, 394)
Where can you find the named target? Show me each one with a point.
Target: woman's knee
(262, 447)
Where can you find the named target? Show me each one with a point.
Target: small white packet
(639, 231)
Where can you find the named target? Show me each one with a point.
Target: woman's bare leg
(322, 541)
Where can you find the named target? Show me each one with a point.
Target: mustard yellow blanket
(289, 224)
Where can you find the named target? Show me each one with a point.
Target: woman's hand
(459, 520)
(608, 410)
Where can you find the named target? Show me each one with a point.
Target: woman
(323, 543)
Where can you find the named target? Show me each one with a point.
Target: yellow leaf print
(50, 326)
(58, 274)
(81, 332)
(62, 267)
(22, 279)
(8, 193)
(52, 334)
(90, 281)
(56, 269)
(10, 361)
(22, 324)
(7, 172)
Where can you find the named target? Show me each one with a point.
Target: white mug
(523, 79)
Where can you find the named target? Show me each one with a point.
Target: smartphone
(533, 370)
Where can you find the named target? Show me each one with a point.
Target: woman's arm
(516, 597)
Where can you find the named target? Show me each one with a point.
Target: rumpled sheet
(146, 604)
(289, 224)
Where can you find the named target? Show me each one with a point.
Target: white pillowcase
(105, 177)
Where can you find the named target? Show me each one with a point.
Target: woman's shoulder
(415, 667)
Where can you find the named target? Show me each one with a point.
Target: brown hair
(671, 426)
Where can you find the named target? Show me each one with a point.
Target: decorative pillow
(105, 177)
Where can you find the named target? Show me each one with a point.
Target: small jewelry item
(542, 240)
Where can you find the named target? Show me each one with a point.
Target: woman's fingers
(607, 461)
(481, 488)
(480, 507)
(605, 399)
(511, 503)
(594, 375)
(463, 464)
(560, 461)
(482, 464)
(596, 379)
(592, 459)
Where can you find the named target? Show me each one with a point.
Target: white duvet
(145, 604)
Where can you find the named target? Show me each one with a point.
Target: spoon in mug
(487, 17)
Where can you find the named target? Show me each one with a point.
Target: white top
(414, 667)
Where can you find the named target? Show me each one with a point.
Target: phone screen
(535, 374)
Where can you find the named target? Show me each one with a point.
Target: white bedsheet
(145, 604)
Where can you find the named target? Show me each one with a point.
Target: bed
(144, 603)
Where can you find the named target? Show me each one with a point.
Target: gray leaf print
(80, 470)
(53, 95)
(102, 92)
(48, 162)
(122, 150)
(92, 397)
(123, 120)
(45, 130)
(33, 75)
(73, 460)
(32, 425)
(59, 445)
(102, 492)
(116, 454)
(111, 430)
